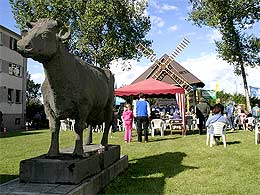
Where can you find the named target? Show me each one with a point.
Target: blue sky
(169, 27)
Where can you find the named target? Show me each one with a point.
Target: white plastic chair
(250, 121)
(218, 130)
(157, 124)
(63, 125)
(72, 127)
(120, 124)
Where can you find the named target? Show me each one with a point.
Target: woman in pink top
(128, 119)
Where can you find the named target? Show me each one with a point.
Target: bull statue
(72, 88)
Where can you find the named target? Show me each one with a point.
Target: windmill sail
(163, 67)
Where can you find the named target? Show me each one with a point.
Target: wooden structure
(168, 70)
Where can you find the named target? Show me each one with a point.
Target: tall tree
(101, 30)
(33, 93)
(232, 18)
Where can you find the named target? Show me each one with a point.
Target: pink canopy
(148, 87)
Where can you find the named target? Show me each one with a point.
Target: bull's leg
(108, 120)
(88, 137)
(79, 127)
(55, 129)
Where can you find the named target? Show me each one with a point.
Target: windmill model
(163, 67)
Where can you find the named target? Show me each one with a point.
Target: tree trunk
(243, 73)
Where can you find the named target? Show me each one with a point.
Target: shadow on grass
(19, 133)
(163, 139)
(148, 175)
(234, 142)
(5, 178)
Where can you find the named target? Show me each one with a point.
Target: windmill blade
(184, 43)
(147, 52)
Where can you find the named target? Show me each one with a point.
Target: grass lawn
(165, 165)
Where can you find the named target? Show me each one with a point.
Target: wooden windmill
(164, 66)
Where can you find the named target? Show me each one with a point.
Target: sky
(169, 27)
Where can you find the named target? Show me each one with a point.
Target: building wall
(13, 68)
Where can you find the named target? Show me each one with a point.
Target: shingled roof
(180, 70)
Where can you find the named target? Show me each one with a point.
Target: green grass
(166, 165)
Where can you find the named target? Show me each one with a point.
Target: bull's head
(42, 40)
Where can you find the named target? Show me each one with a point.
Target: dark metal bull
(72, 88)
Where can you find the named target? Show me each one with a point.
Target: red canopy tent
(152, 87)
(148, 87)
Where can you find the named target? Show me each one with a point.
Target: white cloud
(38, 77)
(167, 7)
(127, 77)
(209, 69)
(157, 21)
(214, 36)
(162, 7)
(173, 28)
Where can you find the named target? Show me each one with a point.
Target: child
(128, 119)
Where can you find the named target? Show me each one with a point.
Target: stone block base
(66, 169)
(91, 185)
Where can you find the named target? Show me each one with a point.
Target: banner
(208, 94)
(254, 92)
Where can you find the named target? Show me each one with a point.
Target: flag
(216, 86)
(180, 98)
(254, 92)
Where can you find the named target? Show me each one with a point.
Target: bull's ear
(64, 33)
(24, 32)
(30, 24)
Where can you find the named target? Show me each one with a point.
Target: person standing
(202, 112)
(256, 113)
(218, 101)
(142, 113)
(230, 109)
(127, 117)
(37, 119)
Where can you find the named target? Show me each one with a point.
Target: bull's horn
(64, 33)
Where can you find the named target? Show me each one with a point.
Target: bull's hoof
(53, 155)
(53, 152)
(76, 155)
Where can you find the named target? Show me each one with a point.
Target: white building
(13, 68)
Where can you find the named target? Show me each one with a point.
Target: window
(17, 121)
(18, 96)
(10, 95)
(162, 60)
(13, 43)
(14, 70)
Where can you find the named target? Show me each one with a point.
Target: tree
(33, 102)
(101, 30)
(32, 92)
(232, 18)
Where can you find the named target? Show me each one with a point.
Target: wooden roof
(180, 70)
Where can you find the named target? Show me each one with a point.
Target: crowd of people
(235, 116)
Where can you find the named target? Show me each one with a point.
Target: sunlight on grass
(166, 165)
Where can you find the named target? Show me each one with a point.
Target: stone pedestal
(90, 185)
(66, 169)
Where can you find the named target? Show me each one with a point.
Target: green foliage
(236, 98)
(33, 102)
(33, 93)
(171, 164)
(101, 30)
(232, 18)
